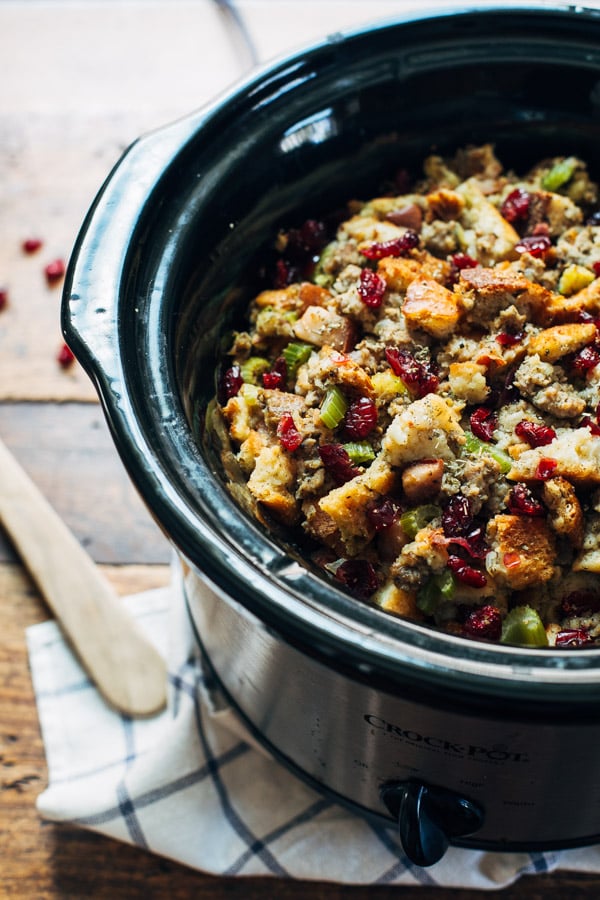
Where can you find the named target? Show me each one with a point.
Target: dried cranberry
(586, 360)
(521, 502)
(535, 435)
(580, 603)
(516, 206)
(31, 245)
(400, 246)
(229, 384)
(509, 339)
(474, 543)
(596, 268)
(3, 298)
(463, 261)
(588, 422)
(484, 623)
(289, 436)
(276, 379)
(65, 357)
(466, 573)
(359, 576)
(360, 418)
(54, 271)
(457, 517)
(371, 288)
(545, 469)
(384, 513)
(483, 421)
(575, 637)
(337, 462)
(417, 376)
(534, 244)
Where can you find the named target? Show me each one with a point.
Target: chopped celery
(524, 627)
(253, 367)
(295, 354)
(476, 446)
(413, 520)
(333, 408)
(359, 452)
(560, 173)
(446, 584)
(320, 277)
(428, 597)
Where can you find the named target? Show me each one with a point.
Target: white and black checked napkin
(191, 784)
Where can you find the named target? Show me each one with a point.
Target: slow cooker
(455, 741)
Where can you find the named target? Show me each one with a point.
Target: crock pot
(457, 741)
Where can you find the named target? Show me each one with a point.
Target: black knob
(429, 818)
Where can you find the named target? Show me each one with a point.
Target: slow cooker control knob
(429, 818)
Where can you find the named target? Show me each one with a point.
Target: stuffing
(429, 427)
(523, 551)
(432, 307)
(416, 399)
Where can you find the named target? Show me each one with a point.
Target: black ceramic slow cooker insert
(459, 741)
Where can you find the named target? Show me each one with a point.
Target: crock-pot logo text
(497, 753)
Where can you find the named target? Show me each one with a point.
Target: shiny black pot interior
(167, 260)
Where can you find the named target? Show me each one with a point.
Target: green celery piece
(359, 452)
(559, 174)
(474, 446)
(413, 520)
(324, 279)
(523, 626)
(446, 584)
(252, 368)
(295, 354)
(333, 408)
(428, 597)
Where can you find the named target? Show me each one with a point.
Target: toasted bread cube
(237, 413)
(484, 219)
(559, 340)
(348, 505)
(566, 515)
(432, 308)
(467, 381)
(523, 550)
(586, 300)
(427, 429)
(395, 599)
(422, 480)
(320, 326)
(271, 480)
(445, 204)
(577, 457)
(487, 291)
(589, 558)
(400, 271)
(369, 230)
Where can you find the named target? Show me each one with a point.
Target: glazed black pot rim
(285, 596)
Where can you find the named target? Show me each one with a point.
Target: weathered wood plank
(68, 452)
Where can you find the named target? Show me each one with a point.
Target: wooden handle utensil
(126, 668)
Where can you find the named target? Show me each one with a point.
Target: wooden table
(85, 79)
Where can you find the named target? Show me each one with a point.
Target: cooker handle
(429, 818)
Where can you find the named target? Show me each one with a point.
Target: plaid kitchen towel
(191, 784)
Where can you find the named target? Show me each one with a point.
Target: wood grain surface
(80, 81)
